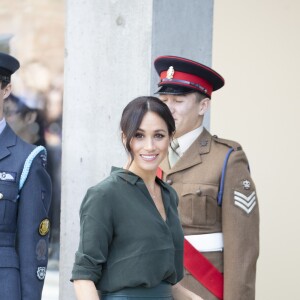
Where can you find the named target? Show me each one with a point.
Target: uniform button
(1, 195)
(198, 192)
(170, 181)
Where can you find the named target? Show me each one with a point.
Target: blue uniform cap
(8, 66)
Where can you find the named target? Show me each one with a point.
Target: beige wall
(256, 47)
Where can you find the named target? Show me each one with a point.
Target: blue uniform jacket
(24, 224)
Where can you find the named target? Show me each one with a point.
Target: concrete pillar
(182, 28)
(107, 63)
(110, 46)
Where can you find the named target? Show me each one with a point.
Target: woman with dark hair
(131, 240)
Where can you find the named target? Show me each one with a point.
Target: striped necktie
(173, 155)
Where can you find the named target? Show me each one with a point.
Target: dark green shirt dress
(124, 241)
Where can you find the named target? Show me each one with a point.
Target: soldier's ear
(31, 117)
(7, 91)
(204, 106)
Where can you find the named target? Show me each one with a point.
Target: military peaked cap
(8, 66)
(179, 76)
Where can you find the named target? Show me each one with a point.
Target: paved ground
(51, 286)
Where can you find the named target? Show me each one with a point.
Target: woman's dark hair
(134, 113)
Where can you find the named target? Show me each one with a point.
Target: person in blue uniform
(24, 115)
(131, 240)
(25, 193)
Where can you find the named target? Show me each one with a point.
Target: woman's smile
(149, 157)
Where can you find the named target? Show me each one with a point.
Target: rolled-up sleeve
(96, 230)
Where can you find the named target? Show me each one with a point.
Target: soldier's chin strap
(199, 266)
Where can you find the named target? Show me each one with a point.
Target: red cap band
(188, 80)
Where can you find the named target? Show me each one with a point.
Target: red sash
(200, 267)
(203, 270)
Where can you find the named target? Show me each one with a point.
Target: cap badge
(44, 227)
(170, 73)
(246, 184)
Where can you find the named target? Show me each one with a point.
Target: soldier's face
(186, 110)
(4, 93)
(150, 144)
(1, 104)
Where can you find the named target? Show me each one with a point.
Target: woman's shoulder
(102, 192)
(107, 188)
(104, 184)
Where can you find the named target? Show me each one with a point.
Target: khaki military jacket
(196, 178)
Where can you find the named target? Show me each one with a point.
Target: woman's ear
(204, 106)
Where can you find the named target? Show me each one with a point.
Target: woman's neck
(147, 176)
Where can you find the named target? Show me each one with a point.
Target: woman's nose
(150, 145)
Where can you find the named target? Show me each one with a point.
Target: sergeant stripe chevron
(245, 203)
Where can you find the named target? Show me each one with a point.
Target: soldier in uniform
(217, 198)
(25, 193)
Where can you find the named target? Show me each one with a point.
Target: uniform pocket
(198, 204)
(8, 202)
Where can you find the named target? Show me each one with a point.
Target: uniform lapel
(7, 139)
(192, 156)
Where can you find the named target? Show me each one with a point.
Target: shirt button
(170, 181)
(1, 195)
(198, 192)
